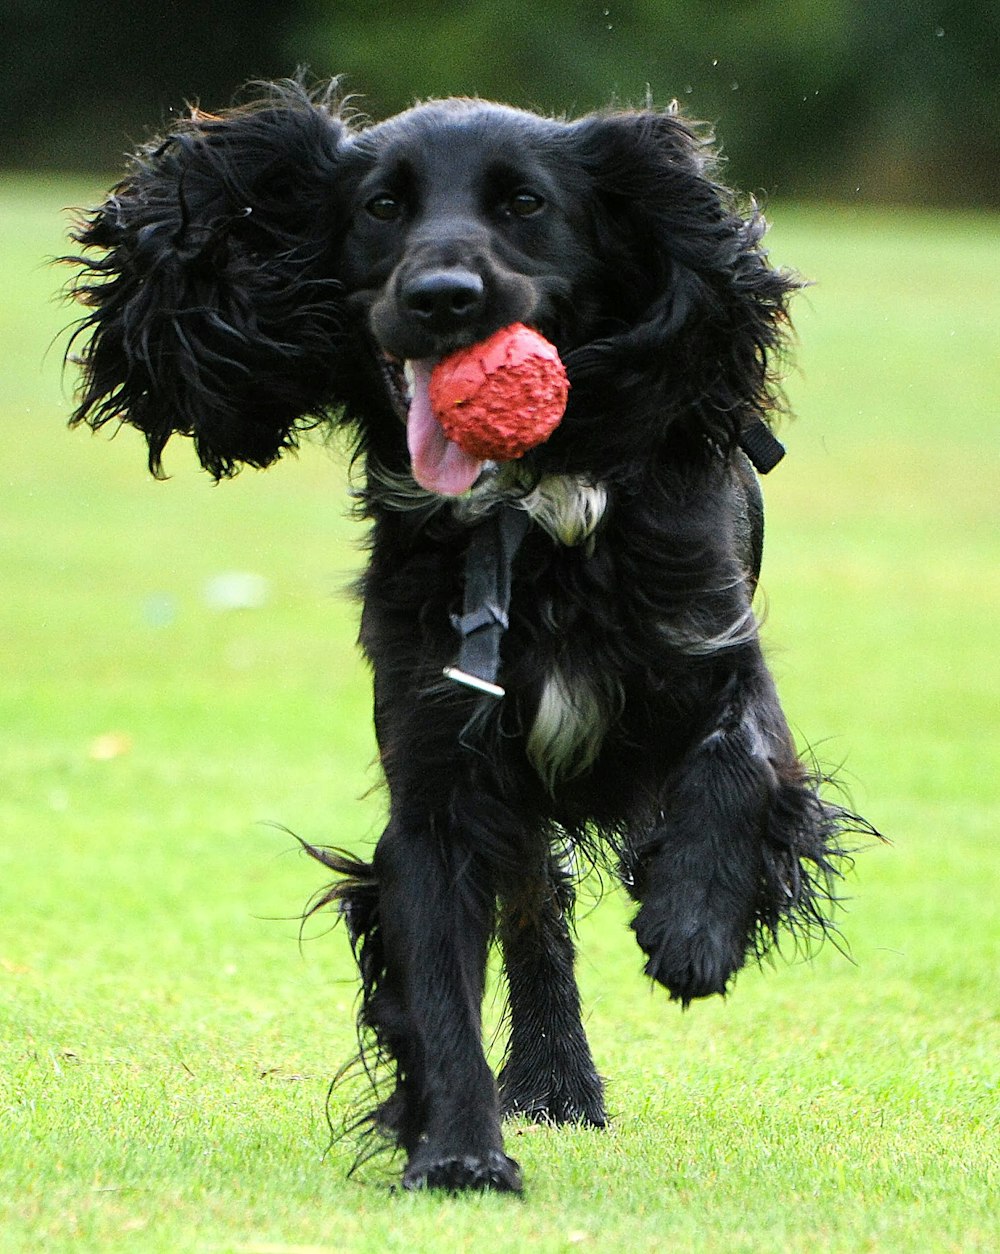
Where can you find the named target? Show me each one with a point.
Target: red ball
(501, 397)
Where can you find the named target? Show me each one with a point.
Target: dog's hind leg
(743, 843)
(436, 912)
(549, 1072)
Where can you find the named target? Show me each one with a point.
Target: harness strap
(761, 445)
(488, 561)
(490, 555)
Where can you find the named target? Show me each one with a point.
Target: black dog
(275, 267)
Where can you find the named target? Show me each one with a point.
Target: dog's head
(273, 267)
(463, 222)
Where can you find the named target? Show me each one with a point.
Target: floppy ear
(708, 314)
(214, 306)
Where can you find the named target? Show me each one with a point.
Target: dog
(283, 265)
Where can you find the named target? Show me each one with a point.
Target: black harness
(761, 445)
(489, 559)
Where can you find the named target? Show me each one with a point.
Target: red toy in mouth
(491, 401)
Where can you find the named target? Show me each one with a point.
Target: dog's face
(465, 220)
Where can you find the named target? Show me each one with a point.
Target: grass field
(165, 1043)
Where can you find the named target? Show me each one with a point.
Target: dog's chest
(578, 699)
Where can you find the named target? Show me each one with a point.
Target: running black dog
(281, 265)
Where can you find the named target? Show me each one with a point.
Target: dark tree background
(883, 100)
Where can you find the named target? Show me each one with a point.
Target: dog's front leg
(436, 911)
(743, 844)
(549, 1073)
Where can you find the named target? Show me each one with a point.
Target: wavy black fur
(252, 275)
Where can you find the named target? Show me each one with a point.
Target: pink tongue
(438, 464)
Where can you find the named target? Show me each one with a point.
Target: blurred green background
(883, 100)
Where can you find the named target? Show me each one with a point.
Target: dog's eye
(525, 204)
(385, 208)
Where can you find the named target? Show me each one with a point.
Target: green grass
(166, 1045)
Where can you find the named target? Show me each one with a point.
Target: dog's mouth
(437, 463)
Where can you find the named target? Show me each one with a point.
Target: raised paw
(696, 962)
(492, 1171)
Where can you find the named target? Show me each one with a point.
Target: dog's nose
(442, 299)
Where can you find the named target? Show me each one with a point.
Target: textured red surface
(499, 398)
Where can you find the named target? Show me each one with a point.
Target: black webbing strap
(761, 445)
(488, 560)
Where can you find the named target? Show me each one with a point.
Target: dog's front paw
(579, 1100)
(492, 1171)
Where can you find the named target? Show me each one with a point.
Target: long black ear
(214, 306)
(706, 313)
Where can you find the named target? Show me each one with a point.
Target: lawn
(166, 1041)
